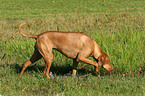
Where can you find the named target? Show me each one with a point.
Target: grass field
(118, 26)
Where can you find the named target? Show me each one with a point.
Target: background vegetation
(116, 25)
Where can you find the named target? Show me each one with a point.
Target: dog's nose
(112, 69)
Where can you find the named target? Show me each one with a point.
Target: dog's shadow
(55, 69)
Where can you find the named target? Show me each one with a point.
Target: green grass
(116, 25)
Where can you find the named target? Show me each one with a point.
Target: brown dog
(75, 45)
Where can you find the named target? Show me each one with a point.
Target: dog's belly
(71, 53)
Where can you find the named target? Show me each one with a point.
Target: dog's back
(73, 42)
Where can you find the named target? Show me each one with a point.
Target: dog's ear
(101, 59)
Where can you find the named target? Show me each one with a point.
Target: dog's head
(105, 61)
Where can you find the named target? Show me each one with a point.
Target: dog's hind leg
(48, 57)
(48, 61)
(46, 52)
(36, 56)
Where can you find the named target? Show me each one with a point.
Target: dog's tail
(32, 36)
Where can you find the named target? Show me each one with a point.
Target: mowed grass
(117, 26)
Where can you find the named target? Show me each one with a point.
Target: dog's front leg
(75, 64)
(96, 69)
(86, 60)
